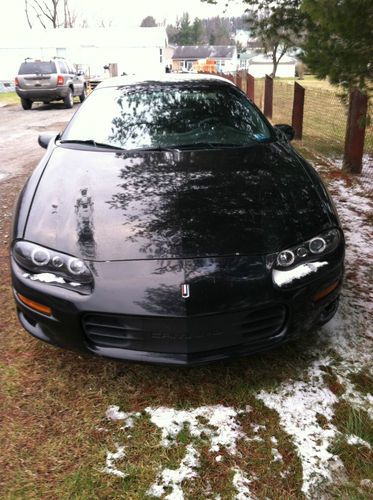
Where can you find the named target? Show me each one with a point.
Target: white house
(261, 64)
(134, 50)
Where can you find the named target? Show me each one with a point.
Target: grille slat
(185, 334)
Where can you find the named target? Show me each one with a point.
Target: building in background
(186, 57)
(133, 50)
(259, 65)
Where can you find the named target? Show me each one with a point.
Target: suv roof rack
(58, 57)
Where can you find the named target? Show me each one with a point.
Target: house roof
(204, 51)
(267, 59)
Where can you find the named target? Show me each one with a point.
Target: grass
(357, 459)
(9, 98)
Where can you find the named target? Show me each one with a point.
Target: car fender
(25, 198)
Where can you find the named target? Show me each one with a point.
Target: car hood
(107, 205)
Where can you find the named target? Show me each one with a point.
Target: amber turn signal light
(323, 293)
(35, 305)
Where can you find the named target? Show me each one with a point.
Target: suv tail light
(60, 80)
(16, 82)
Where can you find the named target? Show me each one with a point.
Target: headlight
(307, 251)
(37, 259)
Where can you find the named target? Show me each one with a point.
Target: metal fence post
(250, 81)
(355, 132)
(268, 96)
(298, 108)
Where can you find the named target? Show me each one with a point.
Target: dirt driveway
(19, 130)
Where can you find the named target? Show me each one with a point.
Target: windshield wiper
(90, 142)
(167, 149)
(213, 145)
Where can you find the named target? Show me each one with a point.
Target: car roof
(165, 78)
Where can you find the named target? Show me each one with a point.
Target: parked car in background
(46, 81)
(180, 227)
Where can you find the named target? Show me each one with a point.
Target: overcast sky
(122, 12)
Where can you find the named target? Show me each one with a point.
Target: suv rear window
(37, 67)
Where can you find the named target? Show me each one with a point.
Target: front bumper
(229, 316)
(42, 94)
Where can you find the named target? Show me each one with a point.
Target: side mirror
(45, 139)
(80, 73)
(287, 130)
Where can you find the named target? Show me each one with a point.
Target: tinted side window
(63, 68)
(37, 67)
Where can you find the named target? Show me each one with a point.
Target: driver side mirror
(287, 130)
(45, 139)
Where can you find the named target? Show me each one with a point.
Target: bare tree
(27, 15)
(50, 13)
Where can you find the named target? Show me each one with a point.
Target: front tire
(69, 99)
(83, 95)
(26, 103)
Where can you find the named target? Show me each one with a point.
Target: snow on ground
(241, 484)
(299, 403)
(172, 478)
(218, 423)
(305, 406)
(111, 458)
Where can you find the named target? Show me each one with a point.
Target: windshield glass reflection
(168, 116)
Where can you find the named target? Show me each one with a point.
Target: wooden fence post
(239, 80)
(298, 109)
(268, 96)
(355, 132)
(250, 81)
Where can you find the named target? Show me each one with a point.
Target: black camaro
(171, 223)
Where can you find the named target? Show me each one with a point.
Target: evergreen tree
(339, 41)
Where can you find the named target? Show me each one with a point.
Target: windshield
(168, 116)
(38, 67)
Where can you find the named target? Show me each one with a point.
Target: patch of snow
(241, 483)
(114, 413)
(356, 440)
(277, 457)
(218, 423)
(172, 478)
(367, 483)
(45, 277)
(219, 458)
(257, 427)
(111, 458)
(298, 403)
(282, 278)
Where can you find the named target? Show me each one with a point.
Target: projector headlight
(307, 251)
(37, 259)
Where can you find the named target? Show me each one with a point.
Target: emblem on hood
(185, 291)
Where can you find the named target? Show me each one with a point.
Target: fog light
(326, 291)
(35, 305)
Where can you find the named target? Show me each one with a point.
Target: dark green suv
(46, 81)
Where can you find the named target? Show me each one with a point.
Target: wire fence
(324, 122)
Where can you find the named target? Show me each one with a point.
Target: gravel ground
(19, 130)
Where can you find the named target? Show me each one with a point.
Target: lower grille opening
(184, 334)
